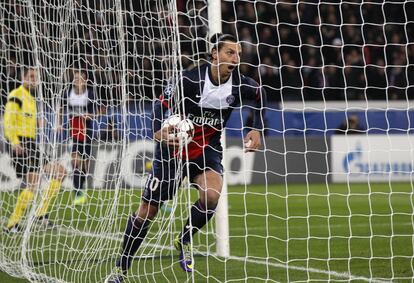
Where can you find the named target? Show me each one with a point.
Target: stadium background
(308, 56)
(300, 53)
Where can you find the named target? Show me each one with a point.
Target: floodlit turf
(4, 277)
(316, 233)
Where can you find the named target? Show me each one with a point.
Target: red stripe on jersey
(78, 129)
(164, 102)
(201, 139)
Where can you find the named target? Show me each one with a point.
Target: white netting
(127, 50)
(321, 63)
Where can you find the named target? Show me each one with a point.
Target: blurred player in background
(210, 93)
(81, 103)
(20, 128)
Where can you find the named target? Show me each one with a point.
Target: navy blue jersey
(208, 105)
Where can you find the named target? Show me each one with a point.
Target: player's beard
(231, 68)
(226, 71)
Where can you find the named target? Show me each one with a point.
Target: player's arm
(41, 116)
(160, 108)
(60, 113)
(253, 139)
(13, 108)
(96, 107)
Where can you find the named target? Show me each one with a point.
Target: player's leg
(209, 184)
(25, 165)
(136, 231)
(80, 163)
(23, 201)
(160, 186)
(57, 174)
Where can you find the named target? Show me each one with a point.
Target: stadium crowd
(311, 50)
(328, 50)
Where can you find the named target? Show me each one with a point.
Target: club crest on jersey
(170, 88)
(230, 99)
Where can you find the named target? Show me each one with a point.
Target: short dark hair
(27, 68)
(218, 40)
(80, 71)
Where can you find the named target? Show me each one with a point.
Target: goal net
(314, 204)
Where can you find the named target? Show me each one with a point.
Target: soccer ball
(182, 128)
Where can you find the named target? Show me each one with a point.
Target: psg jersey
(77, 106)
(209, 105)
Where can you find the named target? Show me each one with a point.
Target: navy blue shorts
(166, 175)
(84, 149)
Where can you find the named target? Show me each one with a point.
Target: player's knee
(146, 211)
(210, 198)
(32, 180)
(59, 172)
(76, 163)
(207, 206)
(210, 205)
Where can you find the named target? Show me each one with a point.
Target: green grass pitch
(278, 233)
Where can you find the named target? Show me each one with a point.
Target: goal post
(222, 218)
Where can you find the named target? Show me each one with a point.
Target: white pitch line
(341, 275)
(359, 225)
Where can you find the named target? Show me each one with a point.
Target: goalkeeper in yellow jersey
(20, 127)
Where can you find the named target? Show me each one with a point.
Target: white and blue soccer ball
(183, 128)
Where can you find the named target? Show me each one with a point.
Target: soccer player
(81, 104)
(20, 127)
(210, 92)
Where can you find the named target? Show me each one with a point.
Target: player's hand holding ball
(176, 131)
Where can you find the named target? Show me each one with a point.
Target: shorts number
(152, 183)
